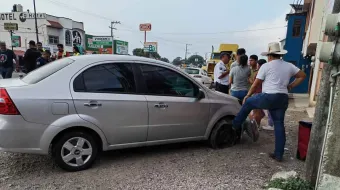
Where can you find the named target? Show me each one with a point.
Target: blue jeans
(277, 105)
(6, 73)
(239, 94)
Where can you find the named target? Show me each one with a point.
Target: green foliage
(177, 61)
(196, 60)
(165, 59)
(290, 184)
(140, 52)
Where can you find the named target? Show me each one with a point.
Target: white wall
(26, 30)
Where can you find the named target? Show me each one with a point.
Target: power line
(130, 29)
(225, 32)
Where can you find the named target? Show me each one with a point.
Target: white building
(52, 30)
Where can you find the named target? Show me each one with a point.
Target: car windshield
(192, 71)
(46, 70)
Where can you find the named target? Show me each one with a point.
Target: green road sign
(150, 47)
(94, 43)
(16, 41)
(121, 47)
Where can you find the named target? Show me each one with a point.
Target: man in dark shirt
(44, 59)
(30, 57)
(6, 61)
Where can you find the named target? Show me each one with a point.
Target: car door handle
(92, 104)
(161, 105)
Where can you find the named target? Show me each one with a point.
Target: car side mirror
(200, 95)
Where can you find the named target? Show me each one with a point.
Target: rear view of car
(200, 75)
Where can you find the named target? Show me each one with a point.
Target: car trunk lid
(14, 82)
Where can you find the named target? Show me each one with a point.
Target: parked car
(200, 75)
(76, 107)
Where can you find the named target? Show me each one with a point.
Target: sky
(202, 23)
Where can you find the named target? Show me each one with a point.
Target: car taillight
(197, 76)
(7, 106)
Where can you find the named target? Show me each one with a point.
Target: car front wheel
(222, 135)
(75, 151)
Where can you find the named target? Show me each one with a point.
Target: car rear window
(192, 71)
(46, 70)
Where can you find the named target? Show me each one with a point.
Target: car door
(106, 94)
(174, 110)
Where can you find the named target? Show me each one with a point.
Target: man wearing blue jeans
(274, 77)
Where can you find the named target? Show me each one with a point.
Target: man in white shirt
(274, 77)
(221, 74)
(239, 53)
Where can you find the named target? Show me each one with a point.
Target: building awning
(311, 49)
(54, 24)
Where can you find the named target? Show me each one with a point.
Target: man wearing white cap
(274, 77)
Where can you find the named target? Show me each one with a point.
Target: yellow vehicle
(215, 57)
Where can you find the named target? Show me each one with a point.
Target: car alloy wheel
(76, 151)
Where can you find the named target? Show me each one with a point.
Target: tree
(196, 60)
(154, 55)
(138, 52)
(177, 61)
(165, 59)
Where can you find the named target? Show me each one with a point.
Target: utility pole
(36, 22)
(186, 51)
(11, 32)
(113, 28)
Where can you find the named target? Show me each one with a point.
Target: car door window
(165, 82)
(106, 78)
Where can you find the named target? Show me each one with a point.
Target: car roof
(110, 57)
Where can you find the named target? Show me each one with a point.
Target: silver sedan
(76, 107)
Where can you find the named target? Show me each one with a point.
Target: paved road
(179, 166)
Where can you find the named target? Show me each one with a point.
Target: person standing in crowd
(253, 68)
(6, 61)
(239, 53)
(39, 47)
(31, 56)
(238, 78)
(274, 77)
(257, 114)
(221, 74)
(61, 52)
(76, 51)
(44, 59)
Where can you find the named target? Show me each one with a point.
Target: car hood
(219, 97)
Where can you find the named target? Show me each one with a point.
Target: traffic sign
(16, 41)
(150, 47)
(145, 27)
(10, 26)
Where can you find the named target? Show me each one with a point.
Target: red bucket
(305, 129)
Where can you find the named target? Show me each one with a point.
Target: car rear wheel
(222, 136)
(75, 151)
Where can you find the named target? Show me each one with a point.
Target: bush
(290, 184)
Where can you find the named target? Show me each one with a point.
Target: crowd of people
(259, 86)
(34, 57)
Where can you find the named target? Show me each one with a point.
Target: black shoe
(272, 156)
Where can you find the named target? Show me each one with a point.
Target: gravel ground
(179, 166)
